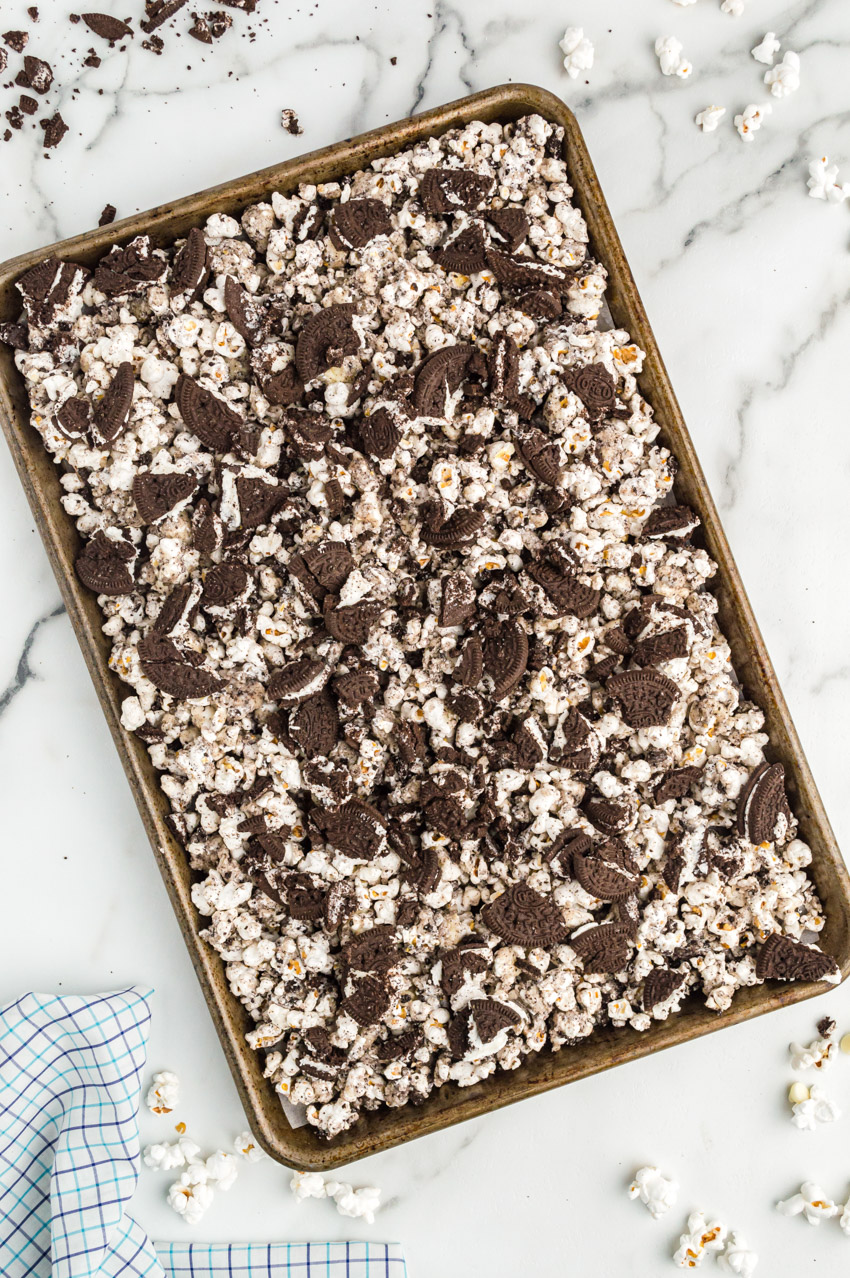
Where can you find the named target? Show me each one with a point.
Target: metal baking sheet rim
(300, 1147)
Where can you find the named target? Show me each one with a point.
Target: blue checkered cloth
(70, 1077)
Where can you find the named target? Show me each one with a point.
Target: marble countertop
(747, 283)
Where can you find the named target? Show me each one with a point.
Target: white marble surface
(747, 283)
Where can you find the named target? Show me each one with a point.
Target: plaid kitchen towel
(70, 1076)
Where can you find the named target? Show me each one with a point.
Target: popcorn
(822, 182)
(163, 1093)
(767, 50)
(247, 1148)
(733, 7)
(750, 120)
(355, 1202)
(810, 1202)
(817, 1055)
(166, 1157)
(308, 1185)
(702, 1237)
(844, 1044)
(191, 1196)
(817, 1108)
(657, 1192)
(844, 1219)
(738, 1258)
(577, 51)
(222, 1168)
(710, 117)
(798, 1092)
(668, 50)
(784, 78)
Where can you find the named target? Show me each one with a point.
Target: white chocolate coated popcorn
(816, 1109)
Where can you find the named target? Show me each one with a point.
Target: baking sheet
(300, 1147)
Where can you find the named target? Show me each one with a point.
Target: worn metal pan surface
(300, 1147)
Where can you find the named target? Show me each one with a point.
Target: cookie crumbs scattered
(55, 129)
(16, 40)
(289, 121)
(108, 215)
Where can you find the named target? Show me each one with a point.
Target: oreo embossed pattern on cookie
(414, 630)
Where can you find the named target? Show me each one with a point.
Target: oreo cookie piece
(659, 985)
(205, 415)
(170, 670)
(673, 523)
(227, 586)
(456, 532)
(604, 948)
(245, 312)
(463, 251)
(646, 697)
(541, 455)
(379, 434)
(506, 657)
(510, 227)
(676, 784)
(325, 339)
(457, 603)
(595, 387)
(449, 190)
(105, 565)
(667, 645)
(781, 959)
(357, 222)
(368, 1002)
(129, 269)
(156, 495)
(298, 680)
(357, 687)
(522, 916)
(73, 418)
(763, 814)
(606, 872)
(356, 829)
(438, 377)
(48, 288)
(191, 268)
(107, 27)
(314, 725)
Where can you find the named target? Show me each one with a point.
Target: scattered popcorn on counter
(163, 1093)
(823, 185)
(750, 120)
(702, 1236)
(191, 1196)
(668, 50)
(816, 1109)
(657, 1192)
(738, 1258)
(810, 1202)
(817, 1055)
(767, 50)
(247, 1147)
(222, 1169)
(844, 1218)
(577, 51)
(308, 1185)
(164, 1157)
(355, 1202)
(733, 7)
(709, 119)
(784, 78)
(798, 1092)
(844, 1044)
